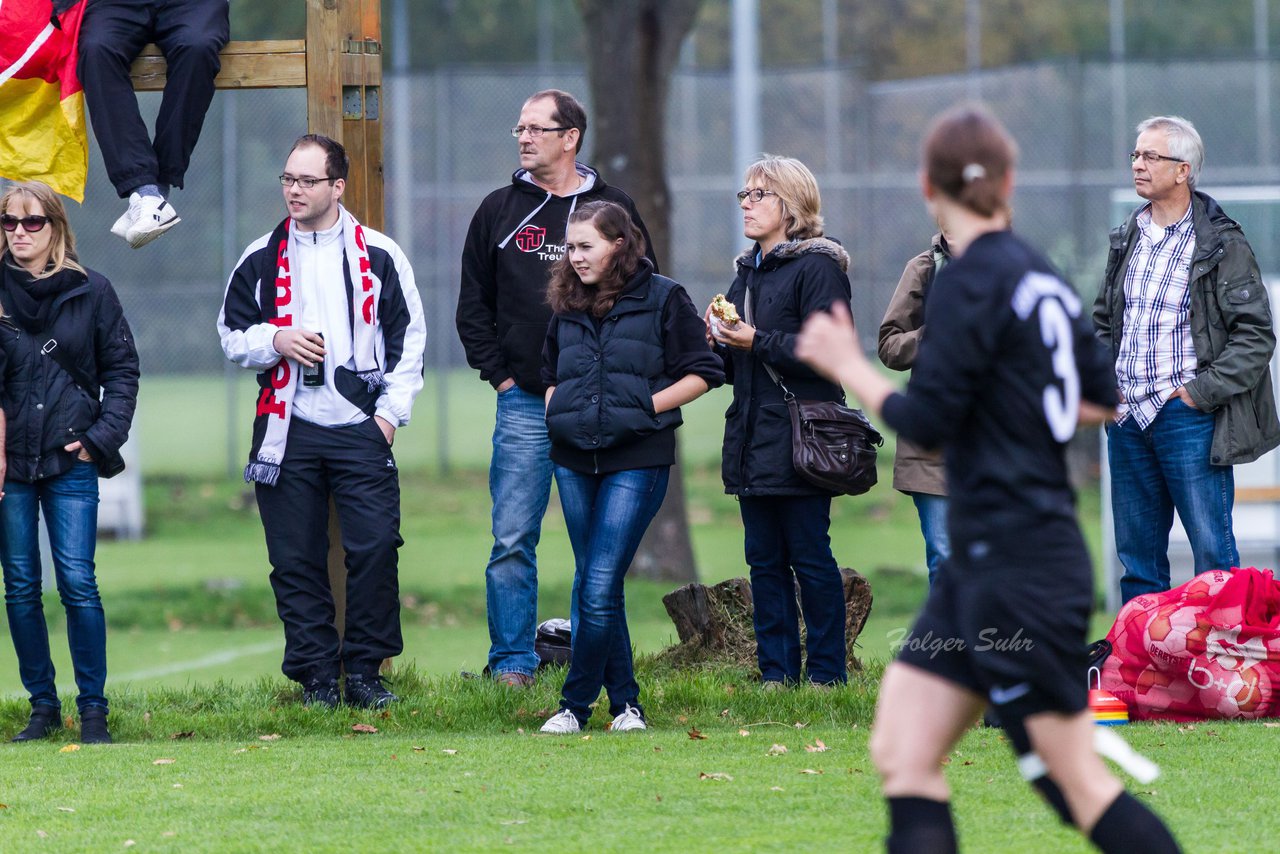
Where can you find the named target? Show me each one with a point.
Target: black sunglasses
(32, 223)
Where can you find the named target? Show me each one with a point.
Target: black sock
(920, 826)
(1053, 797)
(1128, 826)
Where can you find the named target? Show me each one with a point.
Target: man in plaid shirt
(1186, 315)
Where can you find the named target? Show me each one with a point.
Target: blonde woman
(68, 385)
(790, 272)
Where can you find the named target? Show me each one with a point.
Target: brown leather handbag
(832, 446)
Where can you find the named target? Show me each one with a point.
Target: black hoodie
(517, 233)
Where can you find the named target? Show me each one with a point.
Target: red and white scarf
(279, 383)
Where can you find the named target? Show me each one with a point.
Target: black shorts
(1008, 621)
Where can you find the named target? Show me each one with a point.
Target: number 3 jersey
(1007, 354)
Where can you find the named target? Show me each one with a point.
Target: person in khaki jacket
(916, 471)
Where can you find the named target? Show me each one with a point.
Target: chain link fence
(447, 145)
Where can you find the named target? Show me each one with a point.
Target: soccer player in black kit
(1009, 368)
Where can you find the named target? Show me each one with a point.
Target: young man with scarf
(323, 291)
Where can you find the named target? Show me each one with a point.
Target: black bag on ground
(553, 642)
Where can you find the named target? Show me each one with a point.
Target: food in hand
(723, 311)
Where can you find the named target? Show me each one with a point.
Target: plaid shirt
(1157, 354)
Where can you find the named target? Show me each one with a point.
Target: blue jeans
(788, 541)
(1154, 472)
(520, 487)
(606, 514)
(70, 504)
(932, 510)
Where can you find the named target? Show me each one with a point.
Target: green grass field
(194, 649)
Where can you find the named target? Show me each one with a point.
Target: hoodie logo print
(530, 238)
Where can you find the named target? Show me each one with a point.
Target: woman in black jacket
(625, 350)
(69, 384)
(791, 272)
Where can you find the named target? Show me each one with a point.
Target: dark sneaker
(45, 720)
(93, 726)
(367, 692)
(512, 679)
(321, 692)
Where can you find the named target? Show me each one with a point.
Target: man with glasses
(1186, 316)
(515, 236)
(327, 312)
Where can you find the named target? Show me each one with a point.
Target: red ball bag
(1209, 648)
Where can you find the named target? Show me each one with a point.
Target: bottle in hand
(313, 376)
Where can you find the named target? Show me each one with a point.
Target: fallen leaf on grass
(967, 762)
(724, 778)
(70, 748)
(274, 736)
(777, 750)
(146, 717)
(724, 713)
(129, 843)
(515, 821)
(177, 785)
(65, 809)
(449, 752)
(800, 725)
(42, 834)
(1270, 724)
(363, 728)
(776, 789)
(744, 732)
(586, 738)
(696, 735)
(417, 749)
(816, 747)
(812, 771)
(164, 762)
(178, 736)
(4, 806)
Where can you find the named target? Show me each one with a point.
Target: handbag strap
(51, 349)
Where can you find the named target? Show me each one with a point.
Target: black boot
(44, 721)
(367, 691)
(93, 726)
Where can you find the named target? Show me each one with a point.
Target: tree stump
(715, 625)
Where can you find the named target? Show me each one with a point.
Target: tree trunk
(715, 624)
(632, 47)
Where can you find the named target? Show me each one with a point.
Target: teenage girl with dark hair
(1009, 368)
(625, 350)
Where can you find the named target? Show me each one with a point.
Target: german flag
(42, 130)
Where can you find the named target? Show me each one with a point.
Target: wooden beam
(324, 68)
(278, 64)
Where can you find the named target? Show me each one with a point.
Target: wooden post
(340, 65)
(344, 82)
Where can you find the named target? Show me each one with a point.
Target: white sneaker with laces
(629, 720)
(155, 217)
(128, 218)
(562, 723)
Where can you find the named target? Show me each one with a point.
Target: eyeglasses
(756, 196)
(1152, 157)
(32, 223)
(306, 182)
(535, 131)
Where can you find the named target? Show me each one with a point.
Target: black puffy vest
(607, 373)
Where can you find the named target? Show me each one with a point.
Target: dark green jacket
(1230, 328)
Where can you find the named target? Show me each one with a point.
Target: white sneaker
(629, 720)
(562, 723)
(155, 217)
(128, 218)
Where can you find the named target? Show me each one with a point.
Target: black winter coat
(605, 372)
(44, 407)
(794, 280)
